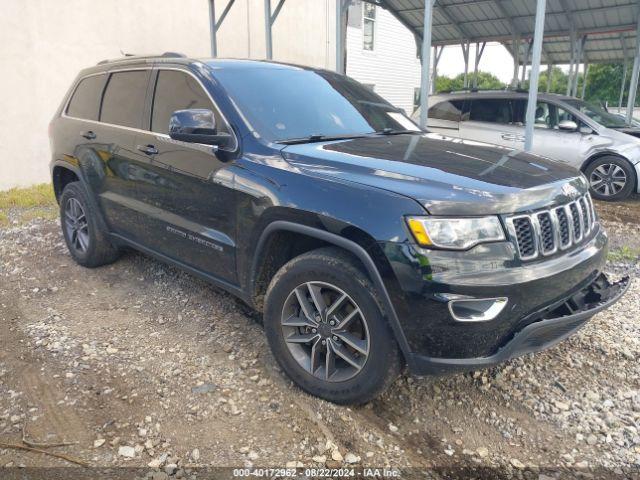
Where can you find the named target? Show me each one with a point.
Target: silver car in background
(567, 129)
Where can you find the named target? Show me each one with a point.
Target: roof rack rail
(129, 56)
(474, 90)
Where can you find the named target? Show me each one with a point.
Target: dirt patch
(140, 363)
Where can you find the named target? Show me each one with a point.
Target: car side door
(490, 120)
(566, 146)
(187, 188)
(105, 151)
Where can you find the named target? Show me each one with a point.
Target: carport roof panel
(607, 24)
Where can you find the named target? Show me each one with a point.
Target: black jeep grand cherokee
(366, 243)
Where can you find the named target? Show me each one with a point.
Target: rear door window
(85, 102)
(124, 97)
(176, 90)
(448, 110)
(491, 110)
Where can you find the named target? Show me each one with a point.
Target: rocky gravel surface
(139, 364)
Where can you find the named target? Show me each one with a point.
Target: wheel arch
(61, 175)
(261, 273)
(606, 153)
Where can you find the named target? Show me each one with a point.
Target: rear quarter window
(124, 97)
(85, 101)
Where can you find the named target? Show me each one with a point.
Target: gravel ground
(140, 364)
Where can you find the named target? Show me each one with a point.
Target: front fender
(350, 246)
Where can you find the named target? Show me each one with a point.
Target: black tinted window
(178, 91)
(123, 101)
(450, 110)
(494, 110)
(85, 102)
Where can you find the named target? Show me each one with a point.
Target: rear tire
(323, 296)
(610, 178)
(88, 244)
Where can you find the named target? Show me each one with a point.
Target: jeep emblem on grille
(569, 190)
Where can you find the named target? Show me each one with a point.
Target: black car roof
(175, 58)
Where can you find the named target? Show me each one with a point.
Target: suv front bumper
(557, 323)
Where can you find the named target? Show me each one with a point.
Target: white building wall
(392, 66)
(302, 32)
(45, 43)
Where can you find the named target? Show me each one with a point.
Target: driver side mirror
(568, 126)
(197, 125)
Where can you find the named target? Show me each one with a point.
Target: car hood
(448, 176)
(633, 131)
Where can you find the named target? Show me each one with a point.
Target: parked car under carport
(602, 145)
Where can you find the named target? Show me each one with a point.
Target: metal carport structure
(570, 32)
(555, 32)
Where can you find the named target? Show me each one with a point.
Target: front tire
(610, 178)
(87, 243)
(326, 329)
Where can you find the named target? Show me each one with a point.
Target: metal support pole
(535, 73)
(215, 24)
(549, 71)
(515, 41)
(339, 43)
(633, 88)
(465, 54)
(572, 41)
(267, 29)
(625, 65)
(213, 31)
(269, 19)
(426, 60)
(584, 80)
(437, 53)
(479, 52)
(525, 62)
(579, 53)
(624, 83)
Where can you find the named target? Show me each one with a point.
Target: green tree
(603, 84)
(486, 81)
(559, 81)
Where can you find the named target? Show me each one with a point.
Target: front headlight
(455, 233)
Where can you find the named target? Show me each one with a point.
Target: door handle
(89, 135)
(147, 149)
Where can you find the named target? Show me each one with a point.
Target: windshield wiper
(317, 138)
(392, 131)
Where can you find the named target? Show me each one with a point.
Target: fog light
(477, 309)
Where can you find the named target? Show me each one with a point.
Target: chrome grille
(563, 227)
(545, 232)
(524, 235)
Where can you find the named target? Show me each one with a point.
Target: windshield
(598, 114)
(285, 104)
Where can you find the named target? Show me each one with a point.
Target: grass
(624, 254)
(22, 205)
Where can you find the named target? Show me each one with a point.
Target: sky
(495, 59)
